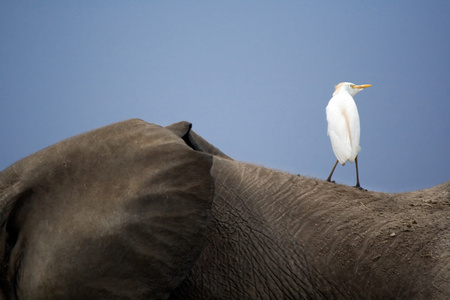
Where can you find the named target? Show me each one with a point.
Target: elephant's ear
(118, 212)
(184, 130)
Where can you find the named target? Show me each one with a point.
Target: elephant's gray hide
(120, 211)
(138, 211)
(281, 236)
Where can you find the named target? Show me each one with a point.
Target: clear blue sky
(254, 78)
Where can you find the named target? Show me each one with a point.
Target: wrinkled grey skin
(138, 211)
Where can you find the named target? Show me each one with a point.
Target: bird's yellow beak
(362, 86)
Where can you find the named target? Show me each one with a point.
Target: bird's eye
(352, 86)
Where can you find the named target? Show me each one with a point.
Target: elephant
(134, 210)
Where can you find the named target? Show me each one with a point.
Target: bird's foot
(332, 181)
(359, 187)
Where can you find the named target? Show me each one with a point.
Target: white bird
(343, 125)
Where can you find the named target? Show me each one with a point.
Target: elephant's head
(120, 211)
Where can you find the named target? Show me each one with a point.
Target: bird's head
(350, 88)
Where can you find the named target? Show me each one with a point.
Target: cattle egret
(343, 125)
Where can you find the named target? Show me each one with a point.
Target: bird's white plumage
(343, 122)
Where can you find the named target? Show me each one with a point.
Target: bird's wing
(338, 131)
(355, 130)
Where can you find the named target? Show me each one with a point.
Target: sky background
(254, 78)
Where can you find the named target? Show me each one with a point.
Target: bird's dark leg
(357, 174)
(332, 171)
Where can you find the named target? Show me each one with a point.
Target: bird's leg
(332, 171)
(357, 174)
